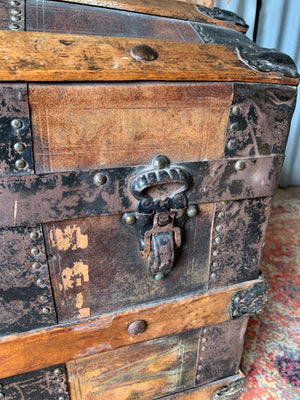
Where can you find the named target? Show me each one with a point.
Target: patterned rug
(272, 348)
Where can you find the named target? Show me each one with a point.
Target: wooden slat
(39, 349)
(31, 56)
(164, 8)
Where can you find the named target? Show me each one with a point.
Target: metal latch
(249, 301)
(162, 210)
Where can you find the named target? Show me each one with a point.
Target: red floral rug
(272, 348)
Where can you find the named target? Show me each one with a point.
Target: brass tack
(143, 53)
(100, 179)
(46, 310)
(198, 377)
(159, 276)
(36, 266)
(204, 340)
(19, 147)
(129, 219)
(221, 214)
(219, 228)
(218, 240)
(215, 253)
(213, 275)
(61, 390)
(34, 251)
(205, 330)
(200, 367)
(137, 327)
(192, 210)
(44, 298)
(240, 165)
(236, 110)
(34, 235)
(16, 123)
(234, 126)
(59, 380)
(159, 162)
(20, 164)
(204, 348)
(40, 281)
(215, 264)
(57, 371)
(232, 144)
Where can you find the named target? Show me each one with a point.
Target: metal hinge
(232, 391)
(162, 211)
(249, 301)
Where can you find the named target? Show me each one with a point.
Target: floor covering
(272, 348)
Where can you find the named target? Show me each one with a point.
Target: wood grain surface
(30, 56)
(108, 125)
(165, 8)
(41, 348)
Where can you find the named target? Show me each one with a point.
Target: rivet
(204, 348)
(40, 281)
(221, 214)
(36, 266)
(159, 162)
(219, 228)
(236, 110)
(192, 210)
(137, 327)
(61, 398)
(198, 377)
(34, 251)
(205, 330)
(44, 298)
(201, 358)
(46, 310)
(14, 27)
(19, 147)
(59, 380)
(232, 144)
(215, 253)
(240, 165)
(57, 371)
(145, 53)
(100, 179)
(234, 126)
(215, 264)
(16, 123)
(237, 300)
(34, 235)
(159, 276)
(213, 275)
(2, 395)
(61, 390)
(129, 219)
(200, 367)
(15, 11)
(218, 240)
(20, 164)
(15, 18)
(204, 340)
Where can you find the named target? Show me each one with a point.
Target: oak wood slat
(163, 8)
(41, 348)
(31, 56)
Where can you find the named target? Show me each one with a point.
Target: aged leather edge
(50, 346)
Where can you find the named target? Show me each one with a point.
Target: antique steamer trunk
(141, 145)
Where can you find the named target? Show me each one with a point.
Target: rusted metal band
(31, 199)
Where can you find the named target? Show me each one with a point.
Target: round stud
(61, 390)
(40, 282)
(129, 219)
(221, 214)
(192, 210)
(236, 110)
(219, 228)
(205, 331)
(204, 340)
(240, 165)
(44, 298)
(19, 147)
(100, 179)
(34, 251)
(200, 367)
(218, 240)
(62, 398)
(34, 235)
(46, 310)
(204, 348)
(234, 127)
(143, 53)
(232, 144)
(198, 377)
(36, 266)
(159, 276)
(57, 371)
(215, 264)
(215, 253)
(237, 300)
(16, 123)
(59, 380)
(20, 164)
(137, 327)
(213, 275)
(159, 162)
